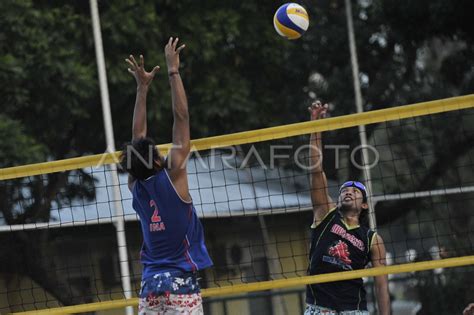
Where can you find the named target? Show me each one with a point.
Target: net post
(360, 109)
(109, 132)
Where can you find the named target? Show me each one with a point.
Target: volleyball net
(74, 239)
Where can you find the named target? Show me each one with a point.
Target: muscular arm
(143, 79)
(139, 121)
(139, 113)
(181, 137)
(320, 198)
(381, 282)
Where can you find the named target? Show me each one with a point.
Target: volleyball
(291, 20)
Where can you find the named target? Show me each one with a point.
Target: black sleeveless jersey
(338, 247)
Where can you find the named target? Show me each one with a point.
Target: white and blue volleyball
(291, 20)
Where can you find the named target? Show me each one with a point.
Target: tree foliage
(238, 73)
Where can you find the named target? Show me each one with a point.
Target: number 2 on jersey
(156, 225)
(155, 218)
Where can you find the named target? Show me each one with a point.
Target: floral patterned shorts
(169, 294)
(319, 310)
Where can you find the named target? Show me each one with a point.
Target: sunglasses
(357, 185)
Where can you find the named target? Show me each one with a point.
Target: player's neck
(351, 219)
(350, 216)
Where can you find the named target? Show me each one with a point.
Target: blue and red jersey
(173, 237)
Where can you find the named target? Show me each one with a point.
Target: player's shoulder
(375, 239)
(330, 214)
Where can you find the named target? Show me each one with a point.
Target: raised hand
(469, 310)
(317, 110)
(138, 71)
(172, 54)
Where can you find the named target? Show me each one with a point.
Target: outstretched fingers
(323, 111)
(135, 64)
(138, 69)
(155, 70)
(172, 45)
(316, 103)
(180, 48)
(130, 63)
(175, 42)
(319, 106)
(317, 110)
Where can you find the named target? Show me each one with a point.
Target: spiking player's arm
(181, 137)
(143, 79)
(320, 198)
(378, 255)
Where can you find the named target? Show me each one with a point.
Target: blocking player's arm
(181, 137)
(378, 253)
(143, 79)
(320, 198)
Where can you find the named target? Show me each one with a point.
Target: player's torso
(335, 246)
(173, 236)
(164, 218)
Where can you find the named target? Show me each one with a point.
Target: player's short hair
(141, 159)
